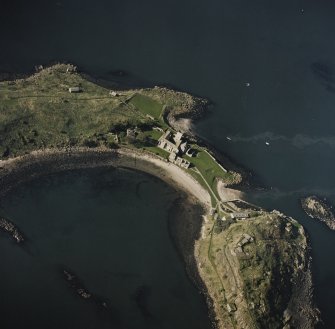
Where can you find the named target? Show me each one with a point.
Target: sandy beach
(168, 172)
(41, 162)
(228, 194)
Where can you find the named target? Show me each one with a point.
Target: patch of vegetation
(197, 177)
(221, 225)
(158, 151)
(178, 103)
(39, 112)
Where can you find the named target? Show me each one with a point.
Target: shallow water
(109, 227)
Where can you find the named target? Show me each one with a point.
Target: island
(10, 228)
(320, 209)
(252, 265)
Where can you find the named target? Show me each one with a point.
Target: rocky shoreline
(17, 170)
(320, 209)
(298, 315)
(185, 221)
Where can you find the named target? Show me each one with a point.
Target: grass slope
(40, 112)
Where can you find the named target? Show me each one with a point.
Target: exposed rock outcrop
(80, 289)
(319, 209)
(10, 228)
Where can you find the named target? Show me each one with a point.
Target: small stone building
(131, 133)
(74, 90)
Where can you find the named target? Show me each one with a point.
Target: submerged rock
(81, 291)
(76, 285)
(319, 209)
(105, 309)
(142, 295)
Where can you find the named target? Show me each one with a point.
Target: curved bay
(110, 227)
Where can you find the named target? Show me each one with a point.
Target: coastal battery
(257, 273)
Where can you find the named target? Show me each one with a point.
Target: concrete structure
(239, 215)
(74, 90)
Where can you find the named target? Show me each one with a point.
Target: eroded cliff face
(257, 272)
(319, 209)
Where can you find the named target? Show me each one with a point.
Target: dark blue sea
(267, 66)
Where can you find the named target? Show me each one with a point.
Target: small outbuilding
(74, 90)
(113, 93)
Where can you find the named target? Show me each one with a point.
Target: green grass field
(147, 105)
(208, 167)
(156, 150)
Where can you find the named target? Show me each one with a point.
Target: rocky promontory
(319, 209)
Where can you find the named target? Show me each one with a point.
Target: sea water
(110, 228)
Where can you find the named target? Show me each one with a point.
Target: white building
(74, 89)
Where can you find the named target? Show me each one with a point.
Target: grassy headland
(39, 112)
